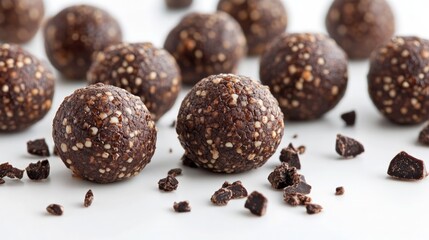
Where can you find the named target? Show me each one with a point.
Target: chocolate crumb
(348, 147)
(237, 188)
(175, 172)
(283, 176)
(55, 209)
(168, 184)
(188, 162)
(15, 173)
(256, 203)
(2, 181)
(424, 135)
(301, 187)
(89, 197)
(170, 150)
(313, 208)
(349, 118)
(4, 169)
(182, 206)
(295, 136)
(290, 156)
(38, 147)
(39, 170)
(173, 124)
(221, 197)
(405, 166)
(301, 149)
(339, 191)
(295, 199)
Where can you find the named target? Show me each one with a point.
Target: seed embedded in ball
(206, 44)
(398, 80)
(229, 123)
(75, 35)
(306, 72)
(142, 69)
(124, 139)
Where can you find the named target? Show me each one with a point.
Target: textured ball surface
(104, 133)
(229, 123)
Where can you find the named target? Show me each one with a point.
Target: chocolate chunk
(295, 199)
(39, 170)
(349, 118)
(424, 136)
(176, 4)
(89, 197)
(348, 147)
(175, 172)
(55, 209)
(237, 188)
(407, 167)
(301, 149)
(168, 184)
(15, 173)
(300, 187)
(313, 208)
(181, 206)
(188, 162)
(283, 176)
(221, 197)
(38, 147)
(2, 181)
(256, 203)
(290, 156)
(4, 169)
(339, 191)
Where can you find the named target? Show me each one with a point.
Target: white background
(373, 207)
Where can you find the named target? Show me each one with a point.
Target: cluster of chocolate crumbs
(406, 167)
(89, 197)
(348, 147)
(55, 209)
(229, 191)
(339, 191)
(38, 147)
(38, 171)
(256, 203)
(349, 118)
(284, 176)
(295, 199)
(181, 207)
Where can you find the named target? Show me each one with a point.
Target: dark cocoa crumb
(295, 136)
(283, 176)
(2, 181)
(256, 203)
(407, 167)
(295, 199)
(15, 173)
(175, 172)
(39, 170)
(38, 147)
(348, 147)
(170, 150)
(237, 188)
(89, 197)
(181, 206)
(349, 118)
(221, 197)
(313, 208)
(301, 187)
(290, 156)
(168, 184)
(55, 209)
(188, 162)
(339, 191)
(301, 149)
(4, 169)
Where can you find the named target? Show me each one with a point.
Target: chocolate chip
(221, 197)
(290, 156)
(237, 188)
(38, 147)
(283, 176)
(168, 184)
(405, 166)
(182, 206)
(313, 208)
(348, 147)
(256, 203)
(295, 199)
(188, 162)
(55, 209)
(424, 135)
(301, 149)
(89, 197)
(175, 172)
(349, 118)
(39, 170)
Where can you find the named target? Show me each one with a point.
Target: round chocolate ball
(142, 69)
(176, 4)
(26, 88)
(229, 123)
(20, 19)
(398, 80)
(104, 133)
(307, 73)
(261, 20)
(74, 35)
(359, 26)
(206, 44)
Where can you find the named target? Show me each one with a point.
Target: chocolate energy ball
(143, 70)
(26, 88)
(359, 26)
(20, 19)
(261, 20)
(74, 35)
(175, 4)
(206, 44)
(104, 133)
(398, 80)
(229, 123)
(307, 73)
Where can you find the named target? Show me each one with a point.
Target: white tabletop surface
(373, 207)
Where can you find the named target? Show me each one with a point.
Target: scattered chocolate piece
(89, 197)
(175, 172)
(407, 167)
(283, 176)
(38, 147)
(173, 124)
(348, 147)
(349, 118)
(295, 136)
(2, 181)
(55, 209)
(339, 191)
(15, 173)
(39, 170)
(4, 169)
(177, 4)
(424, 135)
(256, 203)
(168, 184)
(182, 206)
(188, 162)
(313, 208)
(295, 199)
(301, 187)
(290, 156)
(301, 149)
(221, 197)
(237, 188)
